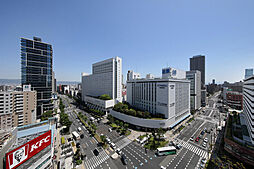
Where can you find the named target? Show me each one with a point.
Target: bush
(113, 125)
(105, 97)
(78, 162)
(129, 110)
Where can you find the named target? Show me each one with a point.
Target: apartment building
(17, 108)
(5, 110)
(248, 105)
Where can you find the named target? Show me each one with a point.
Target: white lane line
(189, 161)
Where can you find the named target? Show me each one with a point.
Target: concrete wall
(102, 103)
(149, 123)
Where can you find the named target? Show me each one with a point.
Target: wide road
(188, 157)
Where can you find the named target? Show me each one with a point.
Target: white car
(206, 140)
(204, 145)
(118, 151)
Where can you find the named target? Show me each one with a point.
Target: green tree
(46, 115)
(103, 139)
(160, 132)
(105, 97)
(121, 124)
(117, 122)
(126, 125)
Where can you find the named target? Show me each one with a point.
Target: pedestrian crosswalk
(194, 149)
(96, 160)
(123, 142)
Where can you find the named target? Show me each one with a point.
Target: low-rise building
(132, 75)
(234, 99)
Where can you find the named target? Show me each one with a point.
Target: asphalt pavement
(189, 156)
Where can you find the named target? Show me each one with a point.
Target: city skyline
(146, 41)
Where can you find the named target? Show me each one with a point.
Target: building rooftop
(158, 79)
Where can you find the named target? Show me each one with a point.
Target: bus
(92, 119)
(75, 135)
(166, 150)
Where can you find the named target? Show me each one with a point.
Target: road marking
(189, 161)
(194, 149)
(181, 158)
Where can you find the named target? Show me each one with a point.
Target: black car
(96, 152)
(124, 159)
(82, 136)
(78, 145)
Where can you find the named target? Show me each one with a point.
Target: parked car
(191, 139)
(203, 161)
(204, 145)
(118, 151)
(113, 145)
(109, 129)
(124, 159)
(171, 143)
(108, 140)
(197, 139)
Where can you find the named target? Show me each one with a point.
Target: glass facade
(36, 70)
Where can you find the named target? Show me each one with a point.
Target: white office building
(248, 105)
(132, 75)
(169, 97)
(106, 78)
(195, 88)
(170, 72)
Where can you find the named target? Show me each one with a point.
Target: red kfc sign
(21, 154)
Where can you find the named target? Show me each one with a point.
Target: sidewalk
(169, 134)
(135, 134)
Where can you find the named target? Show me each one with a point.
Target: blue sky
(147, 34)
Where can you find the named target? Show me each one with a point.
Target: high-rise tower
(36, 70)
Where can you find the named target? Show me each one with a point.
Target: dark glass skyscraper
(198, 63)
(36, 70)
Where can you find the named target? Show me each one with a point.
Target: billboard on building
(22, 153)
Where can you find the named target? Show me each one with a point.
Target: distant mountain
(10, 82)
(67, 82)
(18, 82)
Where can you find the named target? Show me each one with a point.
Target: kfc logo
(19, 155)
(39, 143)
